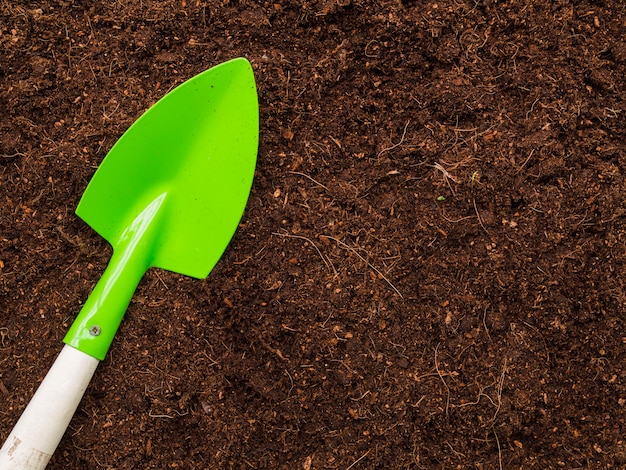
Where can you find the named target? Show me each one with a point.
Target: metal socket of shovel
(170, 195)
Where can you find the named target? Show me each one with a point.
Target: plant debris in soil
(429, 272)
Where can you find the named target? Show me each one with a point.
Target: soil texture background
(430, 269)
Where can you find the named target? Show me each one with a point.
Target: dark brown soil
(430, 271)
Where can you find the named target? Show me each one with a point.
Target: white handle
(44, 421)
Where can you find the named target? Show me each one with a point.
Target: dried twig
(328, 263)
(485, 324)
(357, 460)
(343, 245)
(445, 173)
(446, 176)
(388, 149)
(7, 157)
(525, 162)
(499, 449)
(307, 176)
(480, 221)
(499, 390)
(443, 380)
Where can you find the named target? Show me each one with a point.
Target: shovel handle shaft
(39, 430)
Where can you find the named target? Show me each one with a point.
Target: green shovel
(170, 195)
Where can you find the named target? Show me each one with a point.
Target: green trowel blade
(197, 147)
(171, 192)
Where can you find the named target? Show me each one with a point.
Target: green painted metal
(171, 192)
